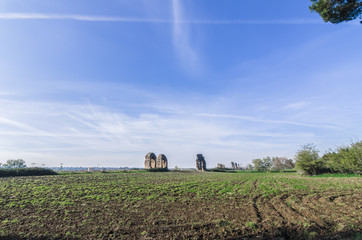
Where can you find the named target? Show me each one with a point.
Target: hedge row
(26, 172)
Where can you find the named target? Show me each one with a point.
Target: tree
(278, 163)
(289, 164)
(337, 11)
(307, 160)
(258, 164)
(249, 167)
(15, 163)
(267, 163)
(281, 163)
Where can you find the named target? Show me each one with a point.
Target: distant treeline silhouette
(26, 172)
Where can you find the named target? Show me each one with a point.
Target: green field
(180, 205)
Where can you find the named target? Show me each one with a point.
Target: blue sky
(101, 83)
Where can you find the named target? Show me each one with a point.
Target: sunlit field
(180, 205)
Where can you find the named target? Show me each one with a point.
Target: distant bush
(26, 172)
(308, 161)
(222, 170)
(284, 171)
(157, 170)
(346, 159)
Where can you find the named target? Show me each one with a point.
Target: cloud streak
(177, 19)
(86, 134)
(253, 119)
(181, 39)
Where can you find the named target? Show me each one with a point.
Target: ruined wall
(220, 165)
(150, 160)
(161, 161)
(200, 162)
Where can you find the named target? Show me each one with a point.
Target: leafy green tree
(307, 160)
(15, 163)
(267, 163)
(258, 164)
(337, 11)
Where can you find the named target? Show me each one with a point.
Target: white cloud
(88, 135)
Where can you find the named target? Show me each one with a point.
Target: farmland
(181, 205)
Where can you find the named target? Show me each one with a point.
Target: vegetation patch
(180, 205)
(157, 170)
(26, 172)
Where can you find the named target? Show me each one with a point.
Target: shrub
(307, 160)
(26, 172)
(157, 170)
(346, 159)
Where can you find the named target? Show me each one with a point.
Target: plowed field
(180, 205)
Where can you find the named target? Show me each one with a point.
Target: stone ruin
(152, 162)
(200, 163)
(161, 161)
(235, 165)
(219, 165)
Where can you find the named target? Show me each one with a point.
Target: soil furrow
(256, 209)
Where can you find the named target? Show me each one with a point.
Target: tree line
(14, 164)
(271, 163)
(345, 159)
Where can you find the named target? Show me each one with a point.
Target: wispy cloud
(40, 16)
(178, 18)
(254, 119)
(9, 94)
(181, 39)
(87, 134)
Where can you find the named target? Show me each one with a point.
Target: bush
(26, 172)
(307, 160)
(157, 170)
(347, 159)
(229, 170)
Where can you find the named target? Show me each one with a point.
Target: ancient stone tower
(150, 160)
(161, 161)
(200, 162)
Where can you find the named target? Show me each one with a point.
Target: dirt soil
(32, 209)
